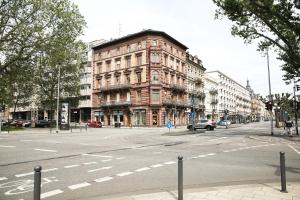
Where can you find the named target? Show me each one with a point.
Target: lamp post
(295, 108)
(57, 103)
(270, 94)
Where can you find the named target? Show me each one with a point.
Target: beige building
(211, 97)
(195, 86)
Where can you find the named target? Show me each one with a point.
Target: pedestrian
(289, 125)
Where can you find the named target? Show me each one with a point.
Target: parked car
(42, 123)
(95, 124)
(26, 123)
(209, 125)
(224, 123)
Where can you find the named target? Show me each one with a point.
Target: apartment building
(195, 86)
(211, 97)
(234, 101)
(140, 80)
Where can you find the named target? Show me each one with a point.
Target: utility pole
(57, 103)
(295, 108)
(270, 94)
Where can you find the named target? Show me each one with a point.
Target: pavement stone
(266, 191)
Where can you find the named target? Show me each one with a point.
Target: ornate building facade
(140, 80)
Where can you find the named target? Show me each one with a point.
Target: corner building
(140, 80)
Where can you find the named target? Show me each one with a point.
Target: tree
(273, 23)
(37, 36)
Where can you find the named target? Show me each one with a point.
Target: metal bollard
(180, 178)
(282, 171)
(37, 183)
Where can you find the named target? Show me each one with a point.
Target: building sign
(64, 113)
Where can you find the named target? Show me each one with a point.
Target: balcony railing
(168, 102)
(115, 103)
(177, 87)
(115, 87)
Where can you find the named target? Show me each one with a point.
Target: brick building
(140, 80)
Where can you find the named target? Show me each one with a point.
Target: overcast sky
(192, 23)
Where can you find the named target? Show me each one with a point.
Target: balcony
(115, 87)
(168, 102)
(115, 104)
(177, 87)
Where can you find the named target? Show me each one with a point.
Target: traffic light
(298, 105)
(297, 87)
(269, 105)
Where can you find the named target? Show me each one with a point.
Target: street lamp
(295, 105)
(57, 103)
(270, 94)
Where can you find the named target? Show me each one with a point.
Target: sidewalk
(266, 191)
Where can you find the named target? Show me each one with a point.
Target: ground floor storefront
(142, 116)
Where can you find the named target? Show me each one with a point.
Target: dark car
(209, 125)
(42, 123)
(95, 124)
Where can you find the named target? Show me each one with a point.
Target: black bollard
(282, 172)
(180, 178)
(37, 183)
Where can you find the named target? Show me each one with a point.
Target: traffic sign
(169, 125)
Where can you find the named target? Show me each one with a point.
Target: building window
(108, 66)
(172, 63)
(108, 53)
(118, 63)
(128, 48)
(108, 98)
(99, 67)
(128, 78)
(155, 96)
(128, 62)
(177, 65)
(155, 58)
(128, 96)
(117, 80)
(178, 81)
(139, 96)
(172, 79)
(139, 59)
(155, 77)
(154, 43)
(139, 78)
(139, 45)
(166, 60)
(118, 97)
(107, 82)
(166, 78)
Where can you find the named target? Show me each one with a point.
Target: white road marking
(107, 178)
(25, 174)
(98, 169)
(7, 146)
(298, 152)
(85, 144)
(169, 162)
(50, 170)
(120, 158)
(80, 185)
(155, 166)
(211, 154)
(124, 173)
(51, 193)
(201, 156)
(47, 150)
(101, 156)
(217, 139)
(26, 140)
(2, 178)
(90, 163)
(142, 169)
(107, 160)
(31, 173)
(226, 151)
(71, 166)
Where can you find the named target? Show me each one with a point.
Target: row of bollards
(38, 171)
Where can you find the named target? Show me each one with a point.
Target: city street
(110, 162)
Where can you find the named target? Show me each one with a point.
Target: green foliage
(273, 23)
(36, 38)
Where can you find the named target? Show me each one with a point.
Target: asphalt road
(108, 162)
